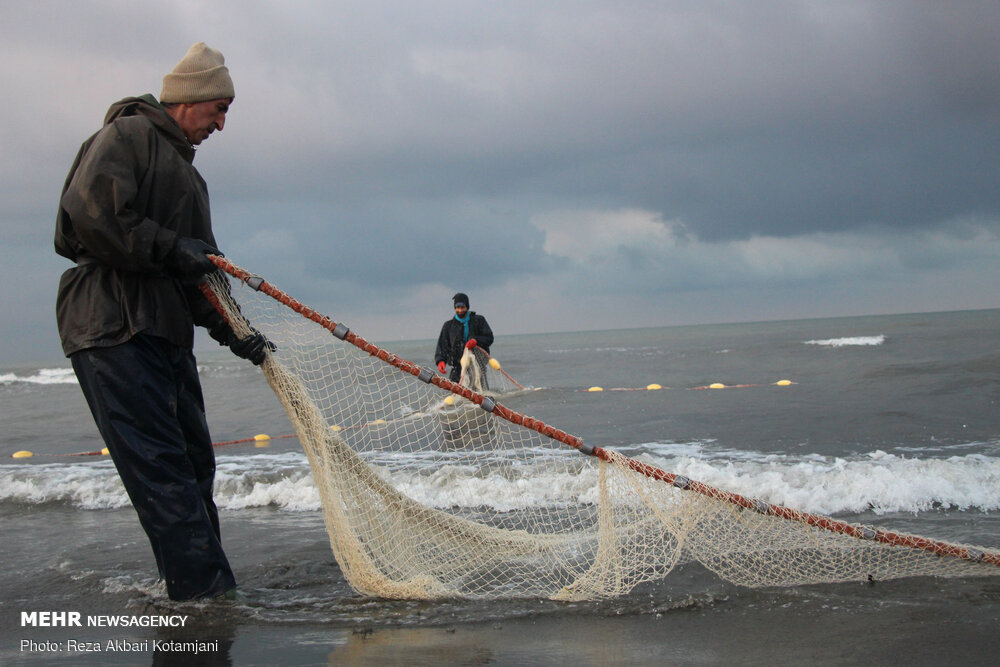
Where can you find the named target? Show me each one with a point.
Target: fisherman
(134, 216)
(466, 329)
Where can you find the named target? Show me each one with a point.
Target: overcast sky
(571, 165)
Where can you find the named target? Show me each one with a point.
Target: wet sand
(956, 622)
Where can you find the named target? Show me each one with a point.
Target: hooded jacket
(131, 192)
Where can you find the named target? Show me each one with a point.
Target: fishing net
(380, 431)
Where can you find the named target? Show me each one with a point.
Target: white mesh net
(363, 416)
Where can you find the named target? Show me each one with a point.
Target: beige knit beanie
(200, 75)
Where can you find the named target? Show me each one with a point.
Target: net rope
(379, 431)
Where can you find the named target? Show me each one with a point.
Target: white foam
(877, 481)
(89, 486)
(43, 376)
(51, 376)
(283, 481)
(459, 486)
(849, 341)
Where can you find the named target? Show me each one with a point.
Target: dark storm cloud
(773, 119)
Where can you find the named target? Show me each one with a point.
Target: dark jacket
(452, 339)
(131, 192)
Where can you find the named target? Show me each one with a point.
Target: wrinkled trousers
(146, 399)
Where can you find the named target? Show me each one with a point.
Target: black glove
(253, 348)
(189, 258)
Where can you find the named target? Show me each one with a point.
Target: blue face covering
(465, 322)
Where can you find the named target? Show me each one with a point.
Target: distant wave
(51, 376)
(42, 376)
(878, 481)
(849, 341)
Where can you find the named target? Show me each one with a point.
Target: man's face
(461, 310)
(200, 119)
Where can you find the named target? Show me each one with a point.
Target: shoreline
(752, 628)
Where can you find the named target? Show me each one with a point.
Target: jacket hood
(148, 107)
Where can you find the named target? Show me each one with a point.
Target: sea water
(889, 420)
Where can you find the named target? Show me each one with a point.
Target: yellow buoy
(262, 436)
(653, 387)
(596, 389)
(494, 364)
(783, 383)
(450, 400)
(716, 385)
(335, 428)
(105, 451)
(23, 454)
